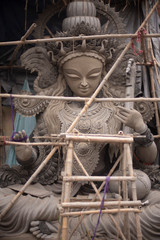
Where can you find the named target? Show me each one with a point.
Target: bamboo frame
(79, 99)
(100, 189)
(35, 143)
(134, 193)
(76, 38)
(109, 211)
(98, 204)
(67, 188)
(97, 178)
(92, 138)
(125, 191)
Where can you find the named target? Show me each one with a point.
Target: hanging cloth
(20, 123)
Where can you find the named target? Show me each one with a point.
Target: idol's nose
(84, 82)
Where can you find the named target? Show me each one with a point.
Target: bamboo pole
(125, 192)
(79, 99)
(98, 204)
(97, 178)
(134, 193)
(76, 38)
(150, 51)
(23, 38)
(104, 139)
(35, 143)
(113, 211)
(67, 188)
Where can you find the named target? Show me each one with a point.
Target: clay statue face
(83, 74)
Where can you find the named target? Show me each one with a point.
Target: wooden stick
(76, 38)
(67, 188)
(134, 193)
(49, 31)
(80, 99)
(154, 92)
(97, 178)
(29, 31)
(2, 214)
(125, 191)
(108, 139)
(150, 50)
(79, 213)
(98, 204)
(35, 144)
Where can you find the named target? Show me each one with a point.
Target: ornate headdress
(81, 20)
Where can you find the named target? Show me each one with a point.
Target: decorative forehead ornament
(79, 54)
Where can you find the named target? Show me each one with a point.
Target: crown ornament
(81, 20)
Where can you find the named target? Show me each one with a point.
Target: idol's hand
(131, 118)
(20, 136)
(25, 154)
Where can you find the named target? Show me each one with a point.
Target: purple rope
(13, 133)
(102, 203)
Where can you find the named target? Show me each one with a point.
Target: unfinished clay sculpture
(74, 69)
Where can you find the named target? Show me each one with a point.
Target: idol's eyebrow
(95, 70)
(73, 71)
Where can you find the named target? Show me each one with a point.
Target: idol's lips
(84, 89)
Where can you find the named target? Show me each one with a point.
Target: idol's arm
(145, 147)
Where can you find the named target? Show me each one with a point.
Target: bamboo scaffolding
(79, 213)
(125, 192)
(76, 38)
(134, 193)
(97, 178)
(67, 188)
(99, 189)
(79, 99)
(154, 95)
(98, 204)
(106, 139)
(100, 87)
(35, 143)
(150, 55)
(21, 67)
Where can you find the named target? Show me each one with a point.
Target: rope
(102, 203)
(139, 35)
